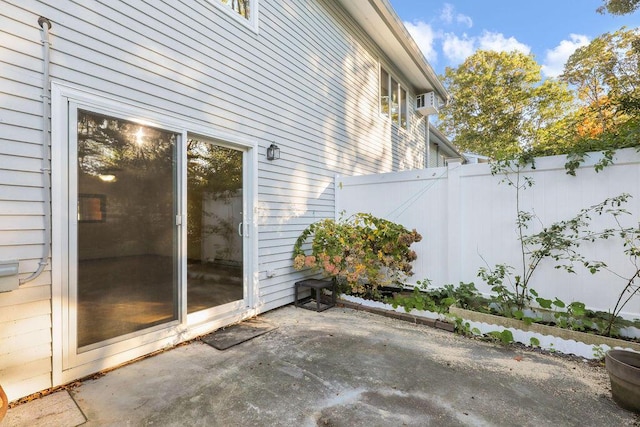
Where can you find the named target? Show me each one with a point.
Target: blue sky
(449, 31)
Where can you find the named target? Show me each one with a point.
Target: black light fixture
(273, 152)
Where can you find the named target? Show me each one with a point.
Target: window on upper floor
(393, 99)
(241, 7)
(244, 10)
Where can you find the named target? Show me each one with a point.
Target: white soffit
(382, 24)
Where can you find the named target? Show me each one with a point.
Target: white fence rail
(468, 220)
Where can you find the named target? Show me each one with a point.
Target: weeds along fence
(467, 218)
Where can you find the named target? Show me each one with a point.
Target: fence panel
(468, 220)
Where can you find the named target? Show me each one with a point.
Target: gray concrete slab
(54, 410)
(347, 368)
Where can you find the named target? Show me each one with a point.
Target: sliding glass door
(214, 225)
(149, 246)
(126, 234)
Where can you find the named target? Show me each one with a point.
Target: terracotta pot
(4, 403)
(624, 371)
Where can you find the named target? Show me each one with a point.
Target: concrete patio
(338, 368)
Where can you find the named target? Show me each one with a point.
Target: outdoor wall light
(273, 152)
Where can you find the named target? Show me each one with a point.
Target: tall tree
(606, 76)
(500, 104)
(619, 7)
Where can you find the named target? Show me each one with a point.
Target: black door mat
(232, 335)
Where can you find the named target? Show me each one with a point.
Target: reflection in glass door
(126, 232)
(214, 223)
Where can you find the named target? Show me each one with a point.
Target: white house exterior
(440, 150)
(167, 219)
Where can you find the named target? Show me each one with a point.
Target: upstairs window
(384, 92)
(245, 11)
(241, 7)
(393, 99)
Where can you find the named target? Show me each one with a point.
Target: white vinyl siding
(308, 81)
(25, 314)
(435, 156)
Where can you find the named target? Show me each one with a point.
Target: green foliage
(438, 300)
(606, 75)
(504, 300)
(619, 7)
(559, 242)
(461, 327)
(505, 336)
(502, 107)
(364, 252)
(222, 181)
(420, 301)
(465, 295)
(631, 244)
(598, 353)
(500, 104)
(574, 316)
(464, 328)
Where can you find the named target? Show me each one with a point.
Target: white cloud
(464, 19)
(424, 37)
(556, 58)
(499, 43)
(446, 15)
(457, 49)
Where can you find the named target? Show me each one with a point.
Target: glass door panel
(126, 232)
(214, 223)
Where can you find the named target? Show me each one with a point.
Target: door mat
(232, 335)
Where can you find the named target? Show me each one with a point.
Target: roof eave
(380, 21)
(441, 138)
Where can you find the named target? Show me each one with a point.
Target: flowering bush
(364, 252)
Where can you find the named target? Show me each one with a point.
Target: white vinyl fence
(467, 218)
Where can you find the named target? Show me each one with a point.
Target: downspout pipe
(427, 128)
(45, 26)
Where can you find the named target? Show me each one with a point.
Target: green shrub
(364, 251)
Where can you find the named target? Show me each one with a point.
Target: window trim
(251, 22)
(399, 90)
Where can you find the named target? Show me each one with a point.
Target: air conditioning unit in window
(427, 103)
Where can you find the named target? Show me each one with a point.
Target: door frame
(67, 364)
(198, 317)
(71, 358)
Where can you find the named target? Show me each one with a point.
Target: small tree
(631, 244)
(364, 252)
(560, 241)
